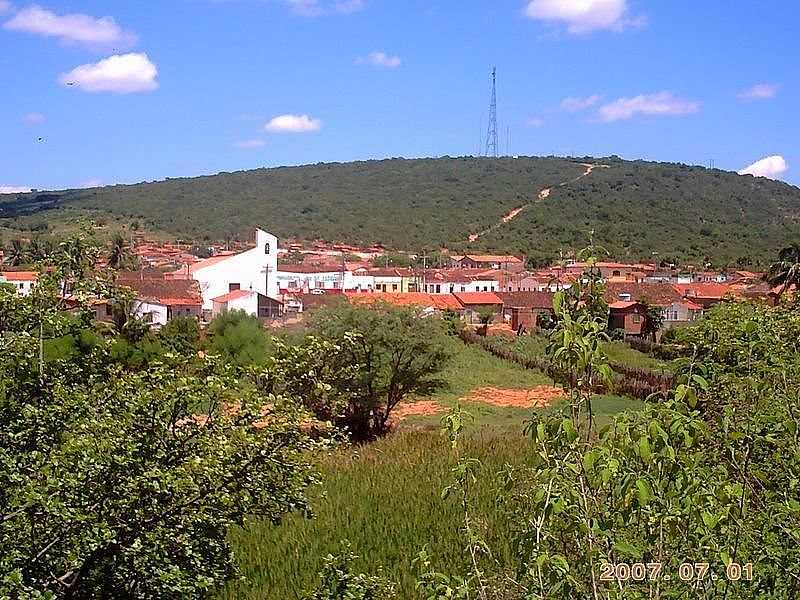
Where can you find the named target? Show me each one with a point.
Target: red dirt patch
(421, 407)
(541, 395)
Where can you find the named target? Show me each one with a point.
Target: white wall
(329, 280)
(457, 288)
(23, 287)
(157, 312)
(253, 270)
(248, 304)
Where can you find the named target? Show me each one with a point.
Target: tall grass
(385, 499)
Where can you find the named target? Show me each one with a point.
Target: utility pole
(491, 135)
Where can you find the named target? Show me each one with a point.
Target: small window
(438, 288)
(394, 287)
(108, 309)
(234, 286)
(266, 248)
(637, 318)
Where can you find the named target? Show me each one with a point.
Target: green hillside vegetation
(635, 208)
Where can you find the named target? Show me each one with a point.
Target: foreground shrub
(120, 484)
(375, 358)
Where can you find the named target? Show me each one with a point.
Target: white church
(249, 279)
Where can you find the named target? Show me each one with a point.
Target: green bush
(238, 338)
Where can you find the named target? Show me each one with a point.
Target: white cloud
(535, 122)
(316, 8)
(120, 74)
(13, 189)
(34, 118)
(769, 166)
(77, 28)
(583, 16)
(572, 104)
(380, 59)
(349, 6)
(760, 91)
(659, 104)
(249, 144)
(293, 124)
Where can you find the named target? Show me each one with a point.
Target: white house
(157, 300)
(23, 281)
(253, 303)
(255, 269)
(298, 278)
(453, 282)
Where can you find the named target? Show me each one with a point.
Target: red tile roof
(623, 304)
(702, 290)
(397, 299)
(477, 298)
(445, 302)
(20, 275)
(232, 295)
(527, 299)
(658, 294)
(170, 292)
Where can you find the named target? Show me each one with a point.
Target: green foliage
(180, 335)
(111, 486)
(338, 582)
(634, 207)
(396, 353)
(708, 476)
(239, 338)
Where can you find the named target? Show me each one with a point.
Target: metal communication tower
(491, 135)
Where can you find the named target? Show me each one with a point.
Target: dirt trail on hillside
(540, 197)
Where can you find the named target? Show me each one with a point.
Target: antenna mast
(491, 135)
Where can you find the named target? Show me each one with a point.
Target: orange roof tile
(232, 295)
(20, 275)
(476, 298)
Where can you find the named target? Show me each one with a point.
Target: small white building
(253, 270)
(253, 303)
(23, 281)
(304, 278)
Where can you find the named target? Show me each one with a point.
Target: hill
(634, 207)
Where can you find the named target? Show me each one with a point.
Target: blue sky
(101, 92)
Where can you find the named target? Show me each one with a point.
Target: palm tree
(118, 255)
(786, 271)
(15, 253)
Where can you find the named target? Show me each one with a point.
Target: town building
(255, 269)
(23, 281)
(505, 262)
(158, 300)
(251, 302)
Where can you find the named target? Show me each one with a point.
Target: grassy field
(535, 345)
(385, 498)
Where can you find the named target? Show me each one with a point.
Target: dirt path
(540, 197)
